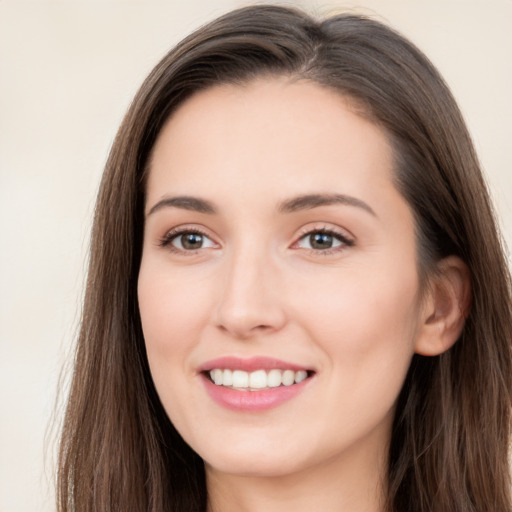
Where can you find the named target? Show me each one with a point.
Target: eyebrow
(309, 201)
(185, 203)
(304, 202)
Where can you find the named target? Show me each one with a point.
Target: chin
(252, 467)
(254, 459)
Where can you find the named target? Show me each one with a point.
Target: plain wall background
(68, 71)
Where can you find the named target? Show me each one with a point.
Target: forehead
(269, 135)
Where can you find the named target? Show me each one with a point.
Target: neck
(339, 485)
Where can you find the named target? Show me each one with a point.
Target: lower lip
(253, 401)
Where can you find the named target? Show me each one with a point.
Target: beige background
(67, 73)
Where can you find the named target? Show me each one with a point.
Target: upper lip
(250, 364)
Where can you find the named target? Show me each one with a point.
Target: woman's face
(276, 249)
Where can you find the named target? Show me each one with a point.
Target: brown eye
(187, 241)
(321, 241)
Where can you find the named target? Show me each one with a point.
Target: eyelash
(167, 240)
(344, 239)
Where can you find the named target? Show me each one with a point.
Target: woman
(297, 295)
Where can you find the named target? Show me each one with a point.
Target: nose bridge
(250, 301)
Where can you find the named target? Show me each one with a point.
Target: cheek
(367, 329)
(171, 308)
(357, 302)
(367, 324)
(173, 312)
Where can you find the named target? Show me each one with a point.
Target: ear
(445, 307)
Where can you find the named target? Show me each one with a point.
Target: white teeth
(240, 379)
(217, 377)
(288, 377)
(300, 376)
(258, 379)
(274, 378)
(227, 378)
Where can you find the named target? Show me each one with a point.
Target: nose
(251, 302)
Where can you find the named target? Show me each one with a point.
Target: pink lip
(250, 364)
(252, 401)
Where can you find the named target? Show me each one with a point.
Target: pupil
(191, 241)
(320, 241)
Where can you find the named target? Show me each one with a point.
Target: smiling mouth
(257, 380)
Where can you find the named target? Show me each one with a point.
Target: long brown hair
(450, 440)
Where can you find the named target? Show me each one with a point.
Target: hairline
(356, 105)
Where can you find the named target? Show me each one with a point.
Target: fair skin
(329, 285)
